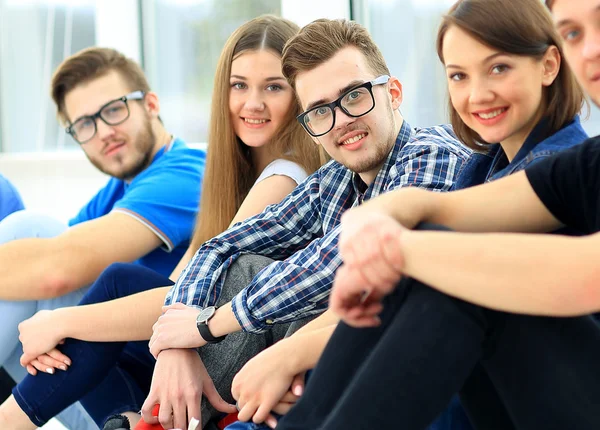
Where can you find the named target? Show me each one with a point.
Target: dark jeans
(107, 377)
(512, 371)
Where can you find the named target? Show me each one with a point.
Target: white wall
(58, 184)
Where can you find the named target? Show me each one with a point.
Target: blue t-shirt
(10, 200)
(164, 197)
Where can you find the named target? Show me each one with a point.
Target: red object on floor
(229, 419)
(142, 425)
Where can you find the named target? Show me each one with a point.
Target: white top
(283, 167)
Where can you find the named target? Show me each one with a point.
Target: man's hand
(176, 328)
(268, 382)
(370, 246)
(39, 335)
(178, 383)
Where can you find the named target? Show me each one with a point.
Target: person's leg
(43, 396)
(21, 225)
(394, 371)
(223, 360)
(544, 369)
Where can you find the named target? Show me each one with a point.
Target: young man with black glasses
(350, 102)
(144, 214)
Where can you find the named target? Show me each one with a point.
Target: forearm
(305, 349)
(35, 269)
(126, 319)
(532, 274)
(326, 319)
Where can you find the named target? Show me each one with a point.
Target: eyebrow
(341, 91)
(485, 60)
(570, 21)
(269, 79)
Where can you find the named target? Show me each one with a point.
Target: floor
(53, 425)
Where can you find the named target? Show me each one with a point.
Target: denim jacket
(485, 167)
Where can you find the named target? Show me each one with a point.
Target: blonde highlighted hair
(229, 173)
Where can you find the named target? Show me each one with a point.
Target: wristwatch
(202, 323)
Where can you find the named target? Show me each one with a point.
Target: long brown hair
(520, 27)
(229, 172)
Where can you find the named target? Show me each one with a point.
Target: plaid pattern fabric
(301, 232)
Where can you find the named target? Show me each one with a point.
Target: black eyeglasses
(356, 102)
(114, 112)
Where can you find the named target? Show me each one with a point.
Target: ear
(395, 90)
(551, 65)
(152, 104)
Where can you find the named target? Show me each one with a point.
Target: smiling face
(123, 150)
(498, 95)
(361, 144)
(259, 97)
(577, 23)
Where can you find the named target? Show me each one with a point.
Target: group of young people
(363, 293)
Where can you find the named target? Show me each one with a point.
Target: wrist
(60, 321)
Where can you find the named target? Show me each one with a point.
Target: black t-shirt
(568, 184)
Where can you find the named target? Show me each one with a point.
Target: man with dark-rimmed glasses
(350, 102)
(144, 214)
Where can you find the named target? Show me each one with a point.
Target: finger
(51, 363)
(147, 408)
(282, 408)
(247, 411)
(289, 397)
(263, 411)
(154, 347)
(298, 384)
(59, 356)
(42, 367)
(165, 414)
(193, 406)
(31, 370)
(215, 399)
(26, 359)
(271, 421)
(180, 416)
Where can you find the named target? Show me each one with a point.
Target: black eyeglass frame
(383, 79)
(135, 95)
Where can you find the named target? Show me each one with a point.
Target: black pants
(512, 371)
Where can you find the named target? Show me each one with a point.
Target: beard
(141, 152)
(381, 150)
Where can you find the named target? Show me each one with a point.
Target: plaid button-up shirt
(301, 233)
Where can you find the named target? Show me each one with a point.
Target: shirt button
(270, 322)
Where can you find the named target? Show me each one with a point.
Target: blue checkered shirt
(301, 232)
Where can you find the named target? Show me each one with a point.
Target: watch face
(205, 314)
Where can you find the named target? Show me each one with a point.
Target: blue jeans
(107, 377)
(21, 225)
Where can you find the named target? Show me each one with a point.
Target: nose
(591, 45)
(480, 92)
(342, 119)
(103, 130)
(255, 102)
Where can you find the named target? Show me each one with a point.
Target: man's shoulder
(179, 151)
(330, 172)
(440, 136)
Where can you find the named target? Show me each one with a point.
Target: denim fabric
(108, 377)
(20, 225)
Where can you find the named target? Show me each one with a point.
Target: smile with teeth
(493, 114)
(255, 121)
(353, 139)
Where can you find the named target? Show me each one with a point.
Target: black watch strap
(207, 335)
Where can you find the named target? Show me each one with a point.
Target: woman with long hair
(257, 154)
